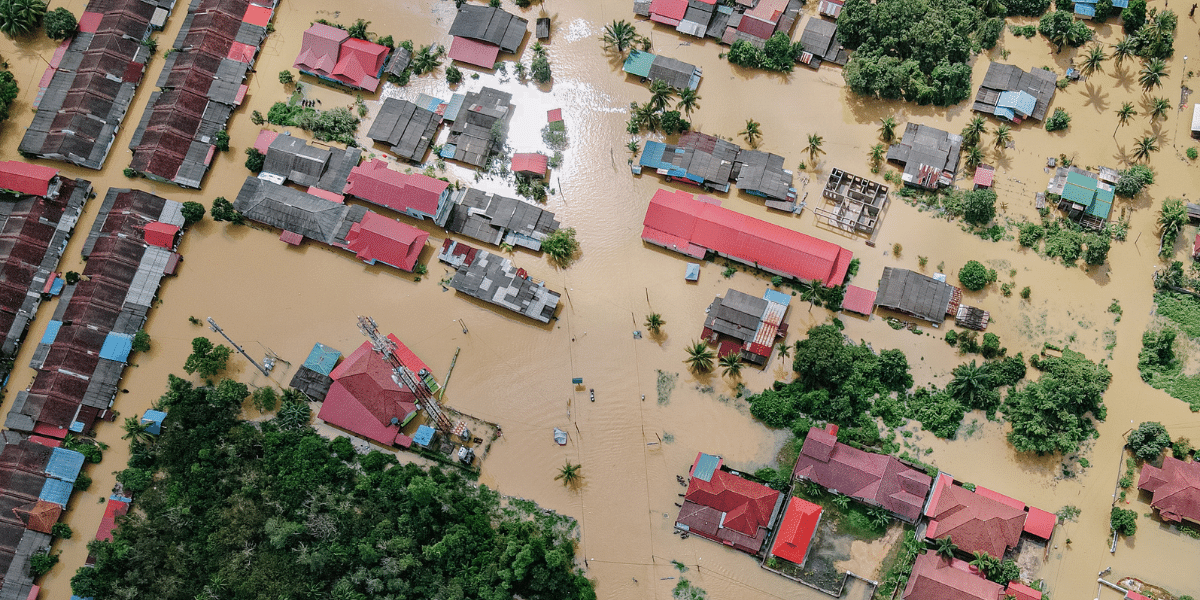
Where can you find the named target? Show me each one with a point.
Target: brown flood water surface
(517, 373)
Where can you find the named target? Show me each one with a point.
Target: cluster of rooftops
(723, 506)
(713, 163)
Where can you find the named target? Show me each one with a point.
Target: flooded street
(269, 296)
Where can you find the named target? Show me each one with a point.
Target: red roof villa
(678, 221)
(936, 578)
(982, 520)
(331, 54)
(725, 508)
(414, 194)
(875, 479)
(25, 178)
(530, 164)
(1176, 489)
(378, 238)
(366, 400)
(795, 535)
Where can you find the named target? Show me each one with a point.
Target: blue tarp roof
(424, 435)
(57, 286)
(56, 491)
(639, 63)
(322, 359)
(64, 464)
(1087, 10)
(777, 297)
(117, 347)
(428, 102)
(1120, 3)
(452, 108)
(705, 465)
(652, 157)
(77, 427)
(51, 332)
(448, 150)
(1020, 102)
(153, 420)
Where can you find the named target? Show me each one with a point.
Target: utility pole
(213, 325)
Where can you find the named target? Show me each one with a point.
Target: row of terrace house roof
(318, 168)
(748, 326)
(494, 279)
(329, 53)
(409, 129)
(36, 480)
(711, 162)
(753, 21)
(84, 349)
(91, 80)
(481, 33)
(678, 221)
(496, 219)
(479, 127)
(371, 236)
(1012, 94)
(34, 231)
(201, 84)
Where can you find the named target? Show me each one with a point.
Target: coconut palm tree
(971, 381)
(731, 364)
(1123, 115)
(1159, 108)
(19, 17)
(1093, 62)
(785, 350)
(1123, 49)
(752, 132)
(1171, 219)
(1152, 74)
(1003, 136)
(570, 474)
(945, 547)
(887, 129)
(974, 157)
(700, 357)
(810, 294)
(1143, 147)
(660, 95)
(654, 323)
(136, 430)
(814, 146)
(689, 100)
(619, 36)
(974, 131)
(648, 117)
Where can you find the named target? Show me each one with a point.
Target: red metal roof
(876, 478)
(161, 234)
(747, 505)
(364, 398)
(998, 497)
(554, 115)
(984, 175)
(1132, 595)
(474, 52)
(796, 531)
(756, 27)
(532, 163)
(677, 220)
(242, 52)
(975, 522)
(26, 178)
(937, 578)
(359, 63)
(859, 300)
(1196, 245)
(668, 11)
(291, 238)
(1021, 591)
(264, 139)
(89, 22)
(374, 182)
(378, 238)
(1175, 488)
(319, 49)
(326, 194)
(115, 508)
(257, 15)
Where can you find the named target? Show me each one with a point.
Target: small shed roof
(859, 300)
(532, 163)
(153, 420)
(1040, 523)
(322, 358)
(984, 175)
(26, 178)
(638, 63)
(117, 347)
(555, 114)
(161, 234)
(796, 531)
(424, 435)
(705, 466)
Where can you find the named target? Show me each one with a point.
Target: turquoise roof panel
(705, 466)
(777, 297)
(322, 359)
(424, 435)
(51, 332)
(639, 63)
(1078, 195)
(64, 464)
(117, 347)
(56, 491)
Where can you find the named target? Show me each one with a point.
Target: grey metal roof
(737, 314)
(1038, 82)
(295, 160)
(492, 218)
(671, 71)
(338, 170)
(401, 57)
(471, 131)
(763, 173)
(288, 209)
(924, 145)
(820, 38)
(494, 279)
(914, 294)
(490, 25)
(406, 127)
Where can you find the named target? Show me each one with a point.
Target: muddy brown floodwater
(268, 295)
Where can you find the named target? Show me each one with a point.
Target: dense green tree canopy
(1149, 440)
(973, 275)
(979, 206)
(1054, 413)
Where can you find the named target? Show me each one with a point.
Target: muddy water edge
(518, 373)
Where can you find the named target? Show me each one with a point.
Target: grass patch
(853, 519)
(897, 565)
(1162, 356)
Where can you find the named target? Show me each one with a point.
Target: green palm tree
(877, 153)
(1003, 136)
(1152, 74)
(880, 517)
(649, 118)
(1159, 108)
(689, 100)
(660, 95)
(19, 17)
(700, 357)
(841, 501)
(619, 36)
(974, 157)
(981, 562)
(785, 350)
(1171, 219)
(971, 381)
(1143, 147)
(731, 365)
(752, 132)
(945, 547)
(974, 131)
(887, 129)
(814, 146)
(1123, 49)
(1093, 62)
(810, 294)
(569, 474)
(1123, 115)
(654, 323)
(136, 430)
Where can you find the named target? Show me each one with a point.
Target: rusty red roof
(679, 221)
(975, 522)
(1175, 488)
(364, 398)
(26, 178)
(859, 300)
(115, 508)
(876, 478)
(474, 52)
(378, 238)
(796, 531)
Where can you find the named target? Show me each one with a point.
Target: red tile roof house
(795, 535)
(27, 179)
(678, 221)
(1176, 489)
(725, 508)
(874, 479)
(364, 398)
(378, 238)
(530, 164)
(982, 520)
(936, 578)
(414, 194)
(331, 54)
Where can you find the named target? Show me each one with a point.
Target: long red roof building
(678, 221)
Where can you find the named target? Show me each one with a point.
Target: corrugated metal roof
(51, 332)
(117, 347)
(56, 491)
(322, 358)
(638, 63)
(64, 464)
(705, 465)
(424, 435)
(153, 420)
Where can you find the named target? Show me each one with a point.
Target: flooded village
(698, 362)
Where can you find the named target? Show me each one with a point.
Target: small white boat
(560, 437)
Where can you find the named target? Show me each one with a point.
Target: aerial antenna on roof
(386, 349)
